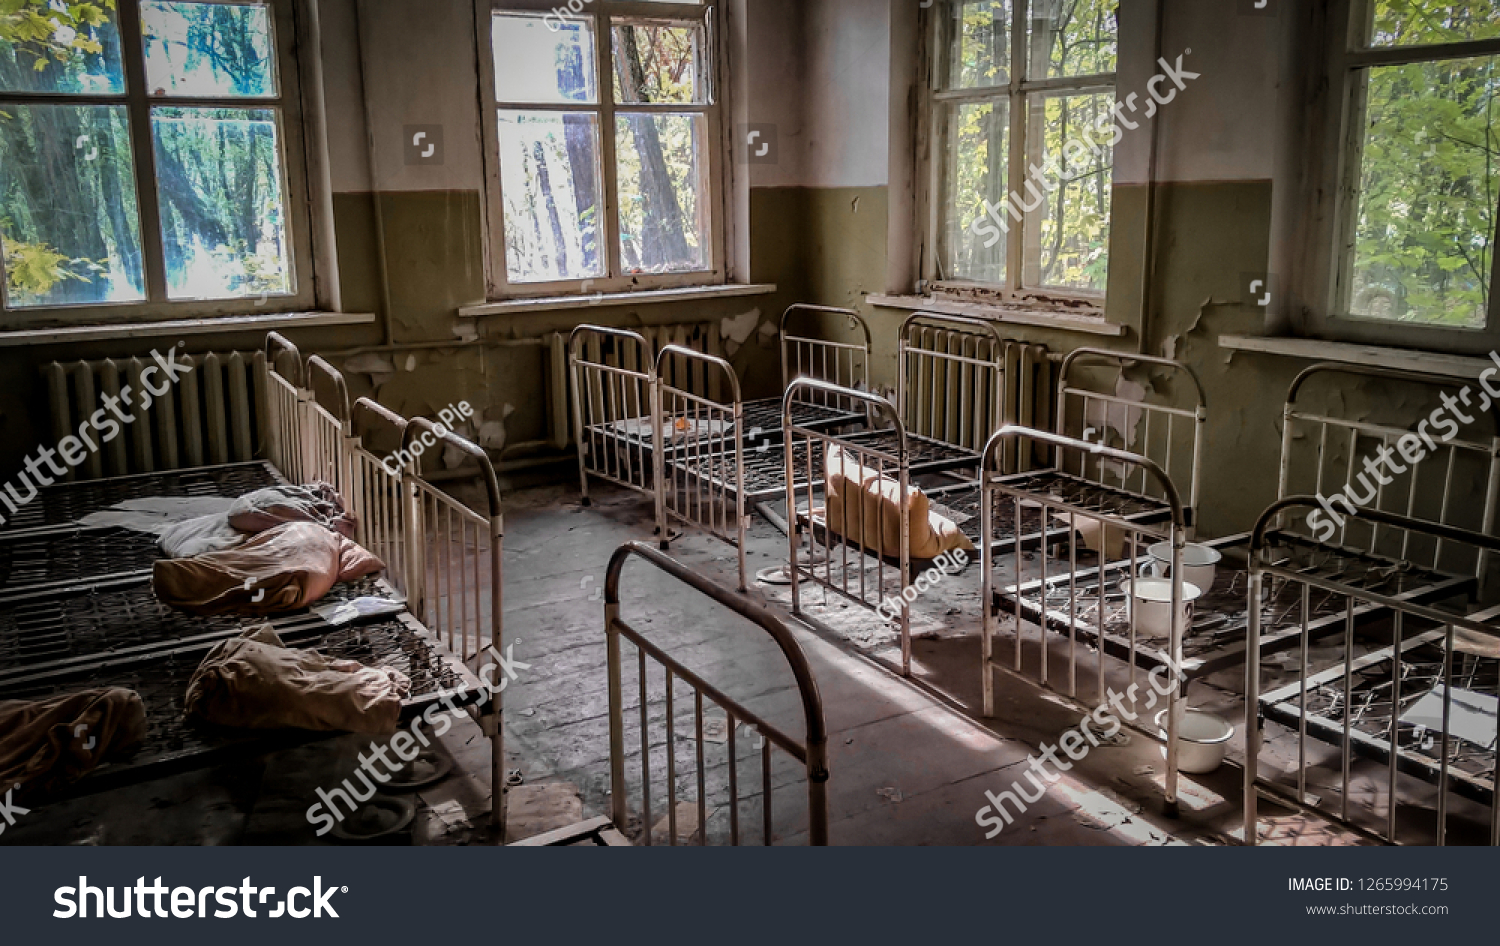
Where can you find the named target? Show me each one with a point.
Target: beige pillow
(852, 487)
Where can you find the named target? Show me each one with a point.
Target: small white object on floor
(889, 794)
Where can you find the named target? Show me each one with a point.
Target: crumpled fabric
(257, 682)
(279, 570)
(851, 486)
(199, 536)
(276, 505)
(50, 744)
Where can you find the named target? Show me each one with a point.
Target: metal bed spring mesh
(1221, 617)
(1370, 712)
(961, 505)
(66, 503)
(765, 466)
(162, 682)
(98, 622)
(766, 415)
(74, 556)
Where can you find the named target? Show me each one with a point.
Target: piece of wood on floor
(536, 809)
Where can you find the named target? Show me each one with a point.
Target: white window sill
(1312, 349)
(206, 326)
(640, 297)
(1034, 316)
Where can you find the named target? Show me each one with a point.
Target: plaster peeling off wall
(1122, 420)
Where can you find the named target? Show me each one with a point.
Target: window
(1021, 171)
(1414, 224)
(144, 158)
(605, 147)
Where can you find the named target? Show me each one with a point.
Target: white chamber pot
(1202, 739)
(1152, 598)
(1199, 563)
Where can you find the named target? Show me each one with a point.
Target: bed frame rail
(811, 752)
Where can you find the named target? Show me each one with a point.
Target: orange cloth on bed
(49, 744)
(851, 486)
(256, 682)
(287, 568)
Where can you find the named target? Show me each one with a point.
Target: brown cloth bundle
(279, 570)
(277, 505)
(52, 743)
(852, 487)
(256, 682)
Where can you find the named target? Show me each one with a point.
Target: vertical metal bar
(645, 752)
(702, 770)
(1302, 698)
(765, 772)
(618, 796)
(1347, 746)
(1252, 706)
(987, 588)
(1442, 799)
(1396, 620)
(734, 781)
(671, 766)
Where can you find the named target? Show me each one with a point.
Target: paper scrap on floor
(1472, 718)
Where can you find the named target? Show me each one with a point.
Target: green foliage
(48, 33)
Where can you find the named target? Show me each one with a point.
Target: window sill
(1311, 349)
(641, 297)
(1038, 317)
(58, 335)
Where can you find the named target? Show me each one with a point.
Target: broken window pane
(1425, 221)
(973, 242)
(663, 192)
(549, 169)
(68, 215)
(980, 52)
(1072, 37)
(208, 50)
(1423, 22)
(1067, 195)
(223, 216)
(544, 60)
(60, 47)
(658, 62)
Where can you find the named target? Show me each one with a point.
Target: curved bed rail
(1342, 442)
(280, 351)
(842, 566)
(286, 407)
(812, 752)
(1100, 530)
(951, 380)
(1136, 418)
(698, 449)
(614, 403)
(802, 356)
(1405, 686)
(327, 417)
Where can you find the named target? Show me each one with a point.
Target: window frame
(716, 150)
(1017, 94)
(138, 102)
(1316, 304)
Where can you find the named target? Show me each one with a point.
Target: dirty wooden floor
(910, 761)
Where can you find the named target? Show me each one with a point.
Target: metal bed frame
(811, 753)
(999, 490)
(614, 406)
(110, 629)
(944, 360)
(803, 356)
(714, 503)
(1356, 704)
(1411, 571)
(804, 470)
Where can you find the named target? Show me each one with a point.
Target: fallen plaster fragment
(411, 362)
(890, 794)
